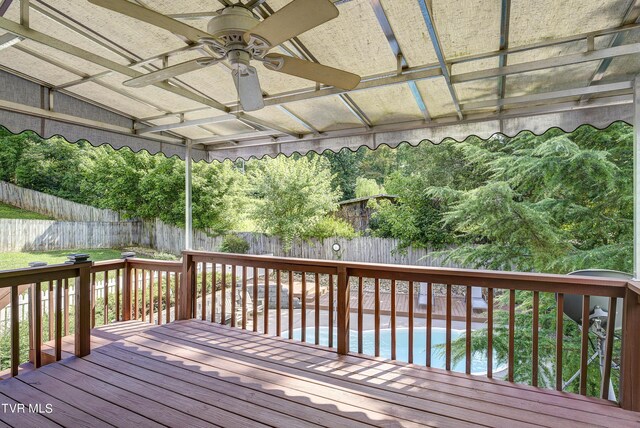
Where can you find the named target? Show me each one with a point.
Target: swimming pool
(478, 362)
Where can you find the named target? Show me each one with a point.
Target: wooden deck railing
(342, 305)
(344, 283)
(55, 280)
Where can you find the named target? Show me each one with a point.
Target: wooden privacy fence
(45, 235)
(48, 235)
(53, 206)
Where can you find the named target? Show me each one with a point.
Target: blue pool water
(478, 363)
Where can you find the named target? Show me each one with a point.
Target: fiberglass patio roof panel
(454, 71)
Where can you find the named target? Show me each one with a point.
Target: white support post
(188, 221)
(636, 178)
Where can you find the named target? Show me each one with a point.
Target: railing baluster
(255, 299)
(360, 313)
(176, 293)
(448, 332)
(151, 311)
(584, 348)
(290, 304)
(469, 314)
(50, 304)
(203, 292)
(303, 313)
(223, 295)
(512, 324)
(117, 290)
(429, 323)
(534, 336)
(159, 297)
(167, 299)
(15, 331)
(214, 285)
(37, 325)
(343, 310)
(144, 295)
(244, 297)
(393, 319)
(410, 338)
(278, 306)
(489, 332)
(559, 339)
(58, 342)
(317, 309)
(608, 351)
(135, 294)
(266, 302)
(331, 310)
(66, 306)
(234, 295)
(106, 297)
(377, 317)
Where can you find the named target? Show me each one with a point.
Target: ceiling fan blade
(169, 72)
(248, 86)
(293, 19)
(151, 17)
(312, 71)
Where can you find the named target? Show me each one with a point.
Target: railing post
(344, 301)
(126, 286)
(630, 364)
(185, 294)
(83, 308)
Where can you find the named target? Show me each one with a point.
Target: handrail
(574, 284)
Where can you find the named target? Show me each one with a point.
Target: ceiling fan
(236, 34)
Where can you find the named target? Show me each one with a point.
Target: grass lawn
(9, 211)
(22, 259)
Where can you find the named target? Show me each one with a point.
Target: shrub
(330, 227)
(234, 244)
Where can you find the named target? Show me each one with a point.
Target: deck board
(194, 373)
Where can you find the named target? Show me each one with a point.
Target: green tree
(345, 169)
(291, 195)
(368, 187)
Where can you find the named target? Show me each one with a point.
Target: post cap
(77, 258)
(37, 264)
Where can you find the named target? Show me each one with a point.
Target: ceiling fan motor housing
(230, 25)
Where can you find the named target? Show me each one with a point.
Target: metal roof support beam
(630, 17)
(75, 120)
(435, 40)
(355, 110)
(253, 121)
(505, 16)
(236, 137)
(385, 25)
(186, 124)
(452, 120)
(551, 96)
(52, 42)
(298, 119)
(525, 67)
(24, 13)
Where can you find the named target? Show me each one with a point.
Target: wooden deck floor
(193, 373)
